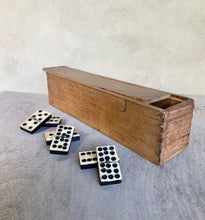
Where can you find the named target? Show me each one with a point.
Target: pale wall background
(159, 43)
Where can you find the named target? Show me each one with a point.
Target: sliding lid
(140, 93)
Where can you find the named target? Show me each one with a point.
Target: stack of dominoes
(59, 139)
(107, 161)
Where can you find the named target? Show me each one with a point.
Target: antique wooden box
(152, 123)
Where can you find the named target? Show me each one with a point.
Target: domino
(88, 159)
(107, 154)
(53, 122)
(109, 173)
(62, 139)
(49, 135)
(108, 165)
(35, 121)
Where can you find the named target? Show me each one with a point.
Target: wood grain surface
(157, 131)
(39, 186)
(133, 91)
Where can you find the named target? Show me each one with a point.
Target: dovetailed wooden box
(152, 123)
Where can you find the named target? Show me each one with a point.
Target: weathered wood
(146, 121)
(133, 91)
(176, 130)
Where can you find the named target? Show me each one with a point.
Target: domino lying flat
(108, 165)
(53, 122)
(88, 159)
(36, 120)
(49, 135)
(107, 161)
(109, 173)
(62, 139)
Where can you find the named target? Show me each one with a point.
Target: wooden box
(152, 123)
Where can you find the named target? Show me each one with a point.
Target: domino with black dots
(108, 165)
(49, 135)
(35, 121)
(53, 122)
(88, 159)
(107, 154)
(62, 139)
(109, 173)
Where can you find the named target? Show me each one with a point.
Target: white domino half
(107, 154)
(53, 122)
(32, 123)
(76, 135)
(49, 135)
(109, 173)
(62, 139)
(88, 159)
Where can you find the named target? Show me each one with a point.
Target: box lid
(140, 93)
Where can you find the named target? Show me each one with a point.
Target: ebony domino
(49, 135)
(109, 173)
(88, 159)
(53, 122)
(35, 121)
(62, 139)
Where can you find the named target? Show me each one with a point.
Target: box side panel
(176, 130)
(134, 125)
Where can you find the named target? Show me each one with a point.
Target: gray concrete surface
(37, 185)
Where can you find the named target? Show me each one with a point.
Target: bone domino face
(88, 159)
(49, 135)
(53, 122)
(32, 123)
(62, 139)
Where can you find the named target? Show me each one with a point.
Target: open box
(169, 102)
(152, 123)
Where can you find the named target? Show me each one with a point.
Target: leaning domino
(35, 121)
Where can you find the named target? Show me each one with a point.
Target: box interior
(169, 102)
